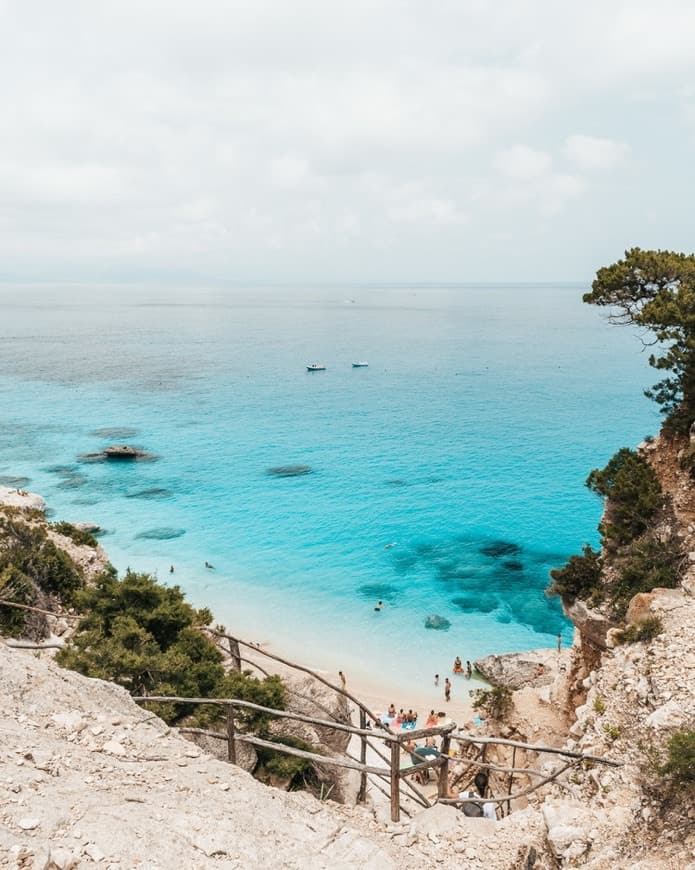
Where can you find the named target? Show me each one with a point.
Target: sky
(310, 141)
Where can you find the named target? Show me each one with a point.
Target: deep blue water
(446, 478)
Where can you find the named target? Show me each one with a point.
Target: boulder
(669, 715)
(567, 830)
(438, 623)
(122, 451)
(516, 670)
(19, 498)
(309, 696)
(436, 820)
(593, 626)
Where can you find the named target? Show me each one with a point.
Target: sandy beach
(376, 695)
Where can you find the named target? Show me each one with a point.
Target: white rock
(113, 747)
(670, 715)
(28, 824)
(71, 722)
(94, 852)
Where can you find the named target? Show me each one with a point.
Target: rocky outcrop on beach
(20, 498)
(538, 667)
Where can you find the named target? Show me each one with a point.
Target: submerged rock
(161, 534)
(289, 470)
(14, 482)
(438, 623)
(155, 492)
(496, 549)
(115, 432)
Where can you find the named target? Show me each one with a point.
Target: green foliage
(496, 702)
(680, 762)
(580, 577)
(28, 549)
(599, 706)
(145, 637)
(633, 492)
(655, 290)
(646, 564)
(286, 766)
(77, 536)
(612, 731)
(645, 630)
(15, 586)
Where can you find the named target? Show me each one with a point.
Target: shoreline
(364, 679)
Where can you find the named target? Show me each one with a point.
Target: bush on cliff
(579, 578)
(27, 549)
(645, 564)
(146, 637)
(497, 702)
(633, 494)
(680, 762)
(77, 536)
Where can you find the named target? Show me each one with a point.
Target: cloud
(198, 135)
(522, 162)
(591, 152)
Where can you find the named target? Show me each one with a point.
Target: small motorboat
(316, 367)
(360, 365)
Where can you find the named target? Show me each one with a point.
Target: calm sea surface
(446, 478)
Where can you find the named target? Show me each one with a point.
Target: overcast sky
(310, 140)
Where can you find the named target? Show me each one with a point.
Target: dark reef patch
(475, 602)
(154, 492)
(289, 470)
(513, 565)
(395, 482)
(115, 433)
(497, 549)
(378, 591)
(72, 481)
(161, 534)
(62, 470)
(14, 482)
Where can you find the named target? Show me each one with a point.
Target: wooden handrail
(248, 705)
(8, 603)
(532, 747)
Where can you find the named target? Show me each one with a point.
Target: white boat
(316, 367)
(360, 365)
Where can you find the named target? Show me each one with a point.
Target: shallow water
(444, 479)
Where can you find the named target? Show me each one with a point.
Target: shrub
(580, 577)
(77, 536)
(644, 565)
(599, 706)
(28, 549)
(144, 636)
(496, 702)
(645, 630)
(287, 766)
(633, 492)
(680, 762)
(15, 586)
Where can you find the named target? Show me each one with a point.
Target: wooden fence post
(235, 653)
(362, 795)
(231, 744)
(395, 778)
(443, 786)
(511, 781)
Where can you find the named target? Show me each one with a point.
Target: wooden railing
(397, 778)
(393, 772)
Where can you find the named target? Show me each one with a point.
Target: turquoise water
(446, 478)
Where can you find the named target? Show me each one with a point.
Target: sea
(445, 479)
